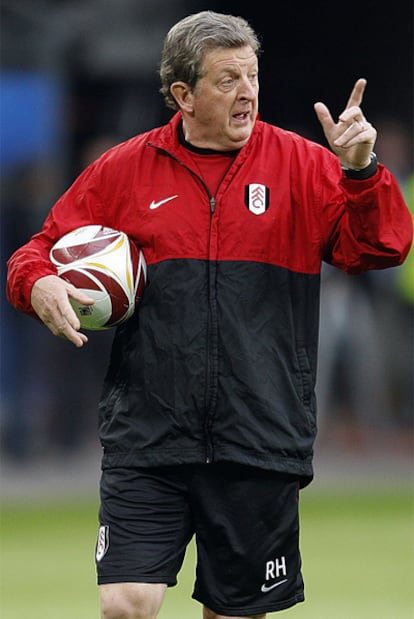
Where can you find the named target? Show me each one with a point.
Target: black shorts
(246, 526)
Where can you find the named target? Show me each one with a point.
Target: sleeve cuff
(362, 175)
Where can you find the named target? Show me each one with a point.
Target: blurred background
(78, 76)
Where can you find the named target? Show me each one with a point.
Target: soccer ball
(107, 266)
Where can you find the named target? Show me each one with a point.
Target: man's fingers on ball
(78, 295)
(74, 321)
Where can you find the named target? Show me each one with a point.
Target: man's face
(224, 103)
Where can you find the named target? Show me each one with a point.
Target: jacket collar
(167, 136)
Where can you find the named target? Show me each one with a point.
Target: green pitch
(357, 550)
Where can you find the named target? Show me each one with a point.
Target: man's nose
(247, 89)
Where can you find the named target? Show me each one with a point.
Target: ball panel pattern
(107, 266)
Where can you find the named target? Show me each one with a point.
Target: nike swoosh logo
(154, 204)
(266, 588)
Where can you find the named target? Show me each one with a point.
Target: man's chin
(241, 136)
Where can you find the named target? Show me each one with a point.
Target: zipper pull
(212, 204)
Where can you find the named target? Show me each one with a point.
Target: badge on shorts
(256, 198)
(102, 544)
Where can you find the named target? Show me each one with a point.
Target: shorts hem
(252, 610)
(156, 580)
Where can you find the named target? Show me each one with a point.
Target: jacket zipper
(212, 355)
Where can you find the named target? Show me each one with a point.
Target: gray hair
(188, 41)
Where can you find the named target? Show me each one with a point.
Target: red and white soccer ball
(107, 266)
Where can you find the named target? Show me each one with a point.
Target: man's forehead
(221, 57)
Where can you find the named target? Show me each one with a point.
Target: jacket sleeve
(79, 205)
(369, 226)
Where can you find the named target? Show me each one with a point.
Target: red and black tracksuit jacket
(219, 361)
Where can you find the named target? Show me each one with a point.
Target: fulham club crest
(103, 542)
(256, 198)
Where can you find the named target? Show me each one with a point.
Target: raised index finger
(357, 93)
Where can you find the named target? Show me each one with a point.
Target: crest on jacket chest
(256, 198)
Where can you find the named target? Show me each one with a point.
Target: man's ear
(183, 95)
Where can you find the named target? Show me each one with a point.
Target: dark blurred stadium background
(80, 75)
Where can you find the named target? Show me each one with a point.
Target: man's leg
(209, 614)
(131, 600)
(144, 530)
